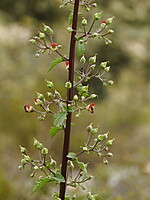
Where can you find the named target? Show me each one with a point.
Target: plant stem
(69, 98)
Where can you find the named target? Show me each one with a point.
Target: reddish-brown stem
(69, 98)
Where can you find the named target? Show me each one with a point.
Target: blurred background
(123, 109)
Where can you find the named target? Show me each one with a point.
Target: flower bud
(92, 67)
(37, 55)
(44, 151)
(81, 41)
(110, 31)
(21, 167)
(28, 108)
(107, 69)
(103, 65)
(41, 35)
(104, 84)
(93, 96)
(53, 162)
(82, 59)
(59, 46)
(40, 96)
(77, 115)
(109, 142)
(69, 29)
(109, 20)
(89, 128)
(32, 41)
(23, 150)
(105, 161)
(49, 94)
(108, 42)
(111, 82)
(38, 102)
(37, 144)
(94, 131)
(85, 148)
(23, 161)
(110, 154)
(101, 137)
(27, 158)
(95, 35)
(48, 30)
(75, 98)
(50, 84)
(32, 174)
(41, 118)
(92, 60)
(35, 167)
(94, 5)
(97, 16)
(84, 22)
(68, 85)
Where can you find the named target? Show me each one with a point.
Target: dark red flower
(53, 46)
(104, 21)
(91, 107)
(28, 108)
(67, 64)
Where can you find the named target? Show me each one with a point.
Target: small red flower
(104, 21)
(67, 64)
(28, 108)
(91, 107)
(53, 46)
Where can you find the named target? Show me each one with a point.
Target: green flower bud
(37, 55)
(109, 20)
(59, 46)
(37, 144)
(50, 84)
(23, 161)
(109, 142)
(93, 96)
(49, 94)
(110, 154)
(97, 16)
(21, 167)
(77, 115)
(35, 167)
(94, 5)
(48, 30)
(84, 22)
(40, 96)
(101, 137)
(111, 82)
(95, 35)
(68, 85)
(92, 60)
(41, 118)
(23, 150)
(89, 128)
(103, 65)
(38, 102)
(92, 67)
(81, 41)
(75, 98)
(32, 41)
(53, 162)
(27, 158)
(108, 42)
(44, 151)
(110, 31)
(41, 35)
(69, 29)
(94, 131)
(105, 161)
(104, 84)
(32, 174)
(82, 59)
(85, 148)
(107, 69)
(99, 36)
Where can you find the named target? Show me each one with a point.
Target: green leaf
(59, 178)
(55, 62)
(70, 18)
(59, 118)
(72, 155)
(39, 183)
(82, 165)
(80, 48)
(54, 130)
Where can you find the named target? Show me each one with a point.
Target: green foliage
(40, 183)
(55, 62)
(59, 118)
(54, 130)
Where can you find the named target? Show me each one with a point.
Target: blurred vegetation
(123, 109)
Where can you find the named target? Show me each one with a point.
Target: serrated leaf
(54, 130)
(59, 118)
(59, 178)
(55, 62)
(80, 49)
(39, 183)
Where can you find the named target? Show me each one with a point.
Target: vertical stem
(69, 98)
